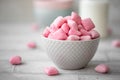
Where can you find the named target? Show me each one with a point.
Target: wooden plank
(19, 76)
(114, 55)
(98, 77)
(45, 77)
(33, 67)
(7, 76)
(17, 45)
(18, 29)
(27, 55)
(99, 57)
(37, 67)
(6, 67)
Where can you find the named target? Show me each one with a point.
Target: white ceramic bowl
(70, 54)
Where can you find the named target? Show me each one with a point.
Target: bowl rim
(70, 40)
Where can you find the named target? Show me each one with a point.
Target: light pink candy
(72, 24)
(53, 28)
(73, 37)
(74, 32)
(116, 43)
(76, 18)
(50, 71)
(102, 68)
(84, 32)
(58, 22)
(94, 34)
(15, 60)
(80, 27)
(58, 35)
(31, 44)
(46, 32)
(65, 27)
(67, 18)
(88, 24)
(85, 38)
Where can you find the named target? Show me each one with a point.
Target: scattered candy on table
(71, 28)
(50, 71)
(15, 60)
(102, 68)
(116, 43)
(31, 45)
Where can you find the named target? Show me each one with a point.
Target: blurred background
(29, 11)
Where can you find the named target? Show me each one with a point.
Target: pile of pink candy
(71, 28)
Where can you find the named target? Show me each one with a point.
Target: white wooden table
(13, 40)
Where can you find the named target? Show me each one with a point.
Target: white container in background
(97, 10)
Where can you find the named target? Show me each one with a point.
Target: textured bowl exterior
(70, 54)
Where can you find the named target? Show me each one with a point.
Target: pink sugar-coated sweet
(94, 34)
(88, 24)
(84, 32)
(53, 28)
(72, 24)
(31, 45)
(80, 27)
(65, 27)
(102, 68)
(50, 71)
(51, 36)
(116, 43)
(76, 18)
(85, 38)
(15, 60)
(59, 21)
(67, 18)
(46, 32)
(74, 32)
(73, 37)
(58, 35)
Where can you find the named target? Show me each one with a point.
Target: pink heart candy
(58, 35)
(73, 37)
(15, 60)
(116, 43)
(31, 44)
(72, 24)
(94, 34)
(50, 71)
(58, 22)
(65, 27)
(74, 32)
(85, 37)
(46, 32)
(76, 18)
(88, 24)
(102, 68)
